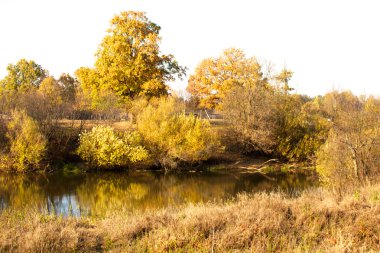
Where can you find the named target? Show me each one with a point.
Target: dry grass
(88, 124)
(314, 222)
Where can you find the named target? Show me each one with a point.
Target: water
(97, 194)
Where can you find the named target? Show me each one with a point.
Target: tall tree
(129, 60)
(23, 75)
(215, 77)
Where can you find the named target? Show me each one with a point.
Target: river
(100, 193)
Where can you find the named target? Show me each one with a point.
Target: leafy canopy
(50, 88)
(23, 76)
(215, 77)
(68, 85)
(129, 61)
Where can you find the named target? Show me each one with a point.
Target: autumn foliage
(103, 147)
(173, 137)
(26, 144)
(259, 112)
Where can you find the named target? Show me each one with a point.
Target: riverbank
(66, 135)
(316, 221)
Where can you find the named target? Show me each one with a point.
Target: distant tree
(68, 86)
(50, 92)
(88, 79)
(92, 96)
(284, 77)
(129, 61)
(335, 104)
(50, 88)
(23, 75)
(215, 77)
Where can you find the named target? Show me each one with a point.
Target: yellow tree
(23, 75)
(129, 60)
(215, 77)
(284, 77)
(50, 88)
(89, 84)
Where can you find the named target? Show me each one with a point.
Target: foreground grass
(314, 222)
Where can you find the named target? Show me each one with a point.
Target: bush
(252, 114)
(348, 159)
(27, 146)
(173, 137)
(103, 147)
(264, 119)
(351, 153)
(303, 129)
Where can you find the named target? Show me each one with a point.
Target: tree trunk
(354, 161)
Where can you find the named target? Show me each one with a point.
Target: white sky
(327, 43)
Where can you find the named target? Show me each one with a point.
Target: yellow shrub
(27, 144)
(334, 164)
(103, 147)
(173, 137)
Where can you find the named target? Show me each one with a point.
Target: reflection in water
(96, 194)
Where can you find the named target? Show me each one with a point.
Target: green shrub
(103, 147)
(173, 137)
(27, 146)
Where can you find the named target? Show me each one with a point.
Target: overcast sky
(327, 43)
